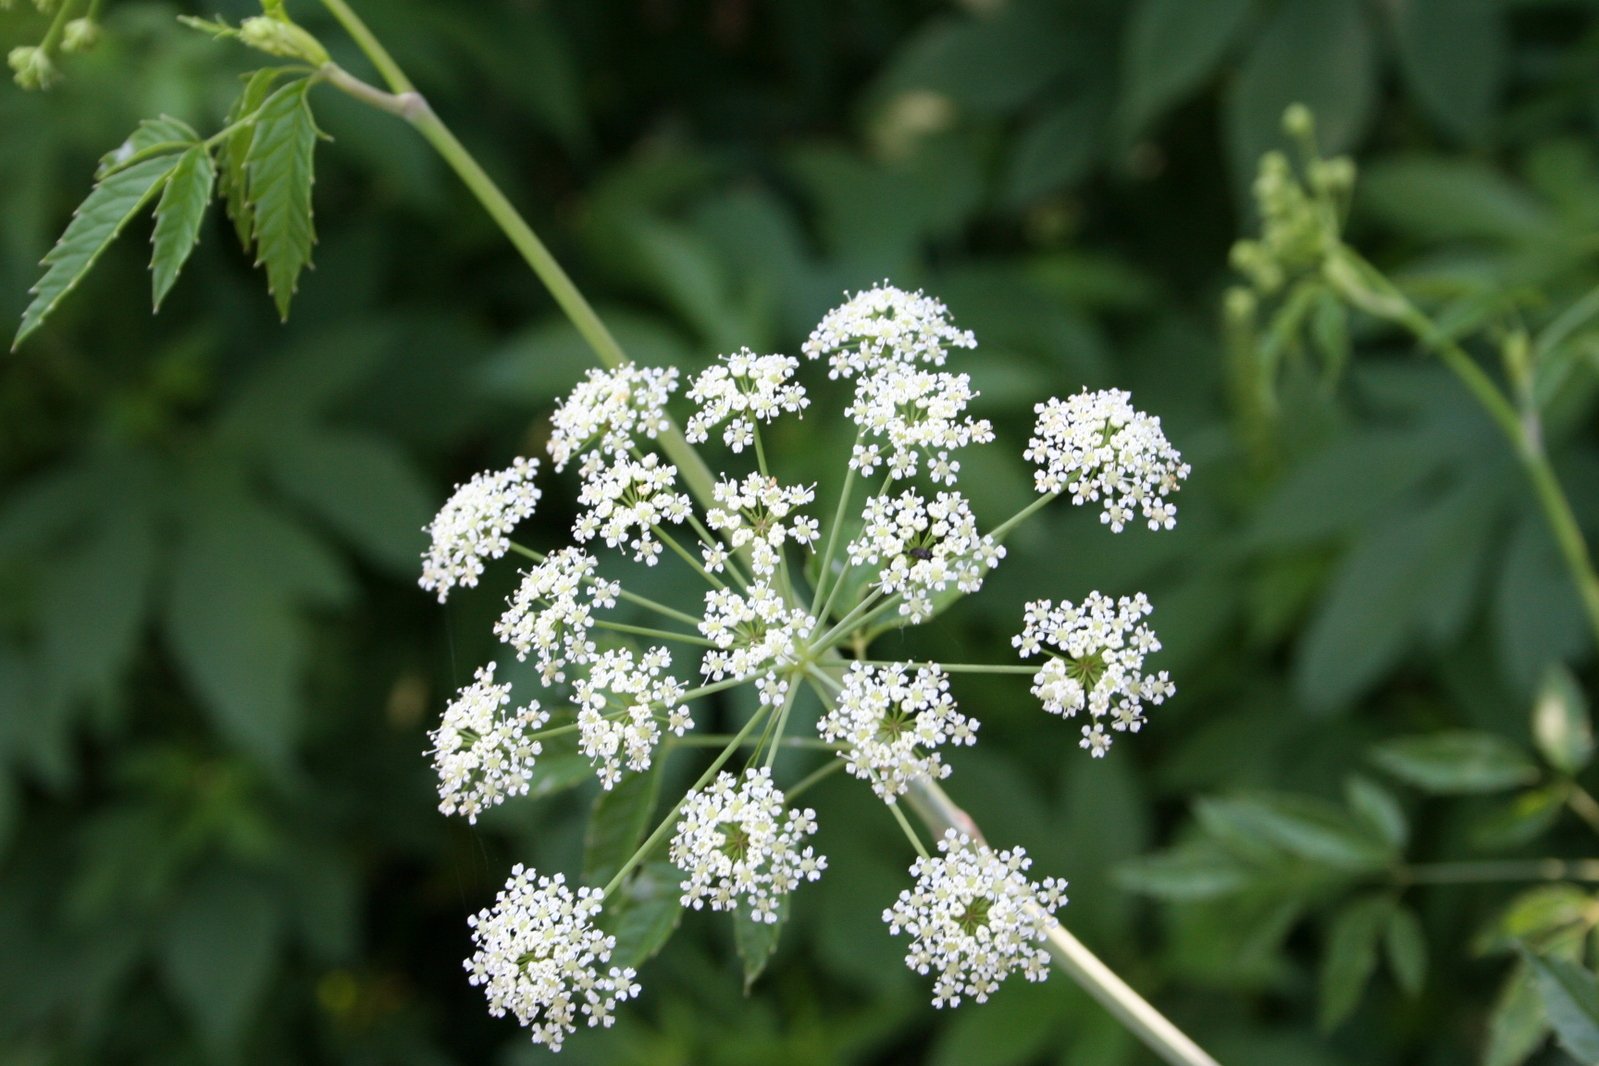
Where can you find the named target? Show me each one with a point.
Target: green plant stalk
(1496, 871)
(928, 800)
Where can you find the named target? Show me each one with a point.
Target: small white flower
(920, 412)
(481, 754)
(755, 633)
(539, 956)
(736, 843)
(758, 513)
(924, 547)
(621, 705)
(974, 919)
(892, 724)
(1096, 445)
(552, 612)
(475, 524)
(1096, 660)
(609, 409)
(744, 387)
(626, 500)
(884, 323)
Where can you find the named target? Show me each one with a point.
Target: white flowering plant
(797, 584)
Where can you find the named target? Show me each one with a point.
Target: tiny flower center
(974, 917)
(735, 841)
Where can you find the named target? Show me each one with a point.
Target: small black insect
(920, 553)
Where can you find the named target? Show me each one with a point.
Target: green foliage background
(217, 835)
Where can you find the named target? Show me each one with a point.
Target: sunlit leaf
(1456, 762)
(178, 215)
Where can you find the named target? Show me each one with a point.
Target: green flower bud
(80, 35)
(277, 37)
(1298, 122)
(33, 67)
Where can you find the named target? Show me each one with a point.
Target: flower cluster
(540, 957)
(551, 613)
(743, 387)
(755, 635)
(621, 705)
(481, 754)
(923, 547)
(917, 412)
(975, 919)
(757, 514)
(736, 842)
(475, 524)
(627, 501)
(892, 722)
(1097, 446)
(609, 410)
(1096, 660)
(884, 324)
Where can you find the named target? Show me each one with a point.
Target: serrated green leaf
(1571, 998)
(234, 149)
(757, 941)
(1456, 762)
(1351, 956)
(177, 218)
(166, 132)
(646, 914)
(1517, 1025)
(1171, 45)
(278, 178)
(617, 825)
(1304, 826)
(1406, 949)
(1561, 725)
(216, 954)
(109, 207)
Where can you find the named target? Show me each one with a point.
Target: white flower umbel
(610, 410)
(924, 547)
(974, 919)
(622, 704)
(736, 843)
(540, 957)
(475, 524)
(1096, 660)
(918, 412)
(745, 388)
(892, 723)
(884, 323)
(1098, 447)
(757, 513)
(756, 634)
(481, 754)
(626, 500)
(551, 614)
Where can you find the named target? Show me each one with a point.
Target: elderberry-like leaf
(177, 218)
(278, 180)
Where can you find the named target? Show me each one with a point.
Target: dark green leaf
(1539, 917)
(757, 941)
(1318, 53)
(1406, 949)
(217, 951)
(1571, 998)
(1561, 725)
(646, 914)
(1350, 956)
(1377, 808)
(1304, 826)
(1170, 47)
(1538, 617)
(1456, 762)
(1453, 58)
(1521, 819)
(177, 218)
(234, 149)
(1517, 1025)
(557, 772)
(986, 64)
(1185, 873)
(154, 136)
(1434, 198)
(110, 206)
(617, 825)
(1056, 149)
(278, 179)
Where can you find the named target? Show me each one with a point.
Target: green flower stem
(1021, 516)
(661, 634)
(938, 812)
(1489, 872)
(58, 26)
(958, 668)
(716, 740)
(555, 731)
(826, 563)
(688, 557)
(379, 57)
(671, 817)
(629, 597)
(855, 617)
(905, 825)
(712, 539)
(821, 773)
(1355, 278)
(776, 742)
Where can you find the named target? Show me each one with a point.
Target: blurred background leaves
(217, 835)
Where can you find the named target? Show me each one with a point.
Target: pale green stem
(666, 823)
(1020, 516)
(904, 824)
(623, 594)
(804, 784)
(1456, 873)
(849, 621)
(712, 539)
(716, 740)
(661, 634)
(782, 723)
(823, 571)
(958, 668)
(934, 807)
(688, 557)
(58, 27)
